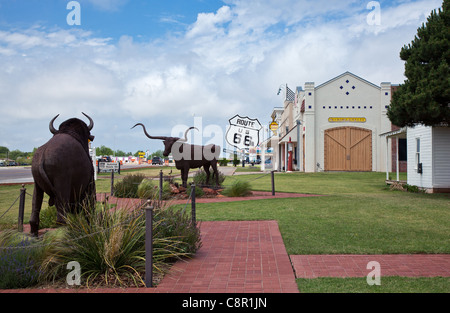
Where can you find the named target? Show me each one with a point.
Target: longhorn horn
(186, 132)
(52, 128)
(151, 137)
(91, 122)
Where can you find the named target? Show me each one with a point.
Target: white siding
(424, 133)
(441, 157)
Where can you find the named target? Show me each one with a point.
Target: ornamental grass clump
(200, 179)
(109, 245)
(128, 186)
(147, 189)
(238, 189)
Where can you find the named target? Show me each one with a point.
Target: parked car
(157, 160)
(105, 159)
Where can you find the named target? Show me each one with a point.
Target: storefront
(336, 126)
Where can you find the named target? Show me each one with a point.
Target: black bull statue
(187, 156)
(62, 168)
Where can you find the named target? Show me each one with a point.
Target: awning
(292, 134)
(399, 133)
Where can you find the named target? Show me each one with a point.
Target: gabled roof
(351, 74)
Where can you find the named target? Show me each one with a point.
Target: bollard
(193, 213)
(21, 208)
(149, 245)
(273, 183)
(160, 185)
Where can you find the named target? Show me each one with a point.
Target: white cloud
(227, 62)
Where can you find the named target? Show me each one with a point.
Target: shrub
(200, 178)
(198, 190)
(128, 186)
(19, 263)
(177, 224)
(223, 162)
(411, 188)
(236, 161)
(238, 189)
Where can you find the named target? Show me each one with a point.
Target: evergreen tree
(425, 96)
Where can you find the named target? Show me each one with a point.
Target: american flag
(290, 95)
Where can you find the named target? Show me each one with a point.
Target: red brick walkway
(420, 265)
(236, 257)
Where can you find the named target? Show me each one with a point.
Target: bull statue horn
(151, 137)
(186, 132)
(91, 122)
(52, 128)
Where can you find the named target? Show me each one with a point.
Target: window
(417, 154)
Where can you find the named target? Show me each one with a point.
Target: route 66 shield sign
(243, 132)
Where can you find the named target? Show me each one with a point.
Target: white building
(336, 126)
(428, 156)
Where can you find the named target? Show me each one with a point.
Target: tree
(4, 152)
(120, 153)
(102, 150)
(424, 98)
(158, 153)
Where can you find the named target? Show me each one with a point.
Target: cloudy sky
(172, 63)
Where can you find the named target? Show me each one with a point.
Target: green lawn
(388, 285)
(356, 214)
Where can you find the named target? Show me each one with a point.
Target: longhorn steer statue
(187, 156)
(62, 168)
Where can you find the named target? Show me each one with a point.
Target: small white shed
(429, 158)
(428, 154)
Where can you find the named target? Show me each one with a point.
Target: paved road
(20, 174)
(15, 175)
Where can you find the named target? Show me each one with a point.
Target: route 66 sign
(243, 132)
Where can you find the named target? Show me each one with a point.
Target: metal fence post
(21, 207)
(160, 184)
(193, 212)
(112, 183)
(273, 183)
(149, 245)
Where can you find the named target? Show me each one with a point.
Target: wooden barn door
(348, 149)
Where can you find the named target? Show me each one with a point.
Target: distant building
(335, 126)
